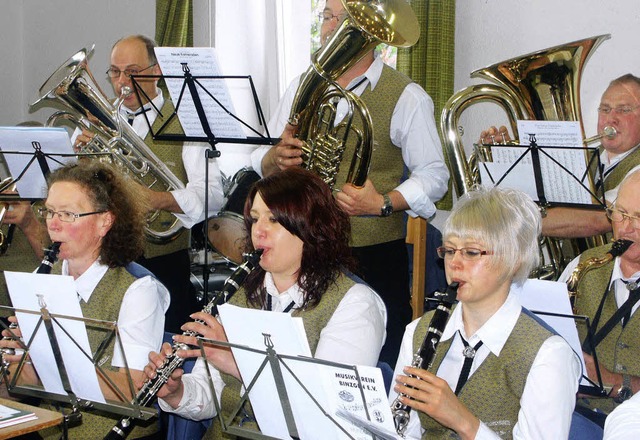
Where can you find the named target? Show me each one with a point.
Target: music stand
(544, 193)
(192, 87)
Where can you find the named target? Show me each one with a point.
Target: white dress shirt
(191, 198)
(141, 318)
(354, 335)
(617, 280)
(608, 166)
(412, 129)
(624, 422)
(549, 394)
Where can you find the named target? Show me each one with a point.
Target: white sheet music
(50, 140)
(334, 388)
(559, 185)
(202, 61)
(60, 297)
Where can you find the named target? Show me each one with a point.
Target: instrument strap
(270, 305)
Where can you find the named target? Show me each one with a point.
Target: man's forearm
(574, 223)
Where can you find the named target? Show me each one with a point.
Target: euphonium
(543, 85)
(424, 357)
(313, 112)
(618, 248)
(73, 86)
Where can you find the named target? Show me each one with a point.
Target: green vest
(387, 166)
(314, 321)
(19, 258)
(169, 153)
(617, 175)
(619, 351)
(504, 376)
(104, 304)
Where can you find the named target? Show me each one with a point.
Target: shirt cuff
(420, 205)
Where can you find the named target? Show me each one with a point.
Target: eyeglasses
(63, 216)
(114, 73)
(467, 253)
(622, 110)
(325, 17)
(619, 216)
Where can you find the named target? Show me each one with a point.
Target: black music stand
(272, 366)
(545, 195)
(193, 85)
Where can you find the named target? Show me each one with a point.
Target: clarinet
(424, 357)
(50, 257)
(151, 387)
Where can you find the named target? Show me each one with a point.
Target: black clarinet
(50, 257)
(172, 362)
(424, 357)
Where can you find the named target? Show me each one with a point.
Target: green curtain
(430, 62)
(174, 23)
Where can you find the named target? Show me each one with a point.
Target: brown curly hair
(304, 205)
(109, 190)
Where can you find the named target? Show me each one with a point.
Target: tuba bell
(85, 105)
(543, 85)
(313, 112)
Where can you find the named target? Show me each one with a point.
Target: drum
(218, 272)
(226, 231)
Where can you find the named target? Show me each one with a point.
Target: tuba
(313, 112)
(72, 85)
(543, 85)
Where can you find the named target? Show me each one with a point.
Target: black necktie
(469, 353)
(130, 118)
(634, 296)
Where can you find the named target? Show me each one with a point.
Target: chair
(417, 236)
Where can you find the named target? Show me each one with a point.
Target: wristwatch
(387, 208)
(624, 392)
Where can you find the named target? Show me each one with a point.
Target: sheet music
(51, 141)
(202, 61)
(60, 296)
(552, 297)
(559, 185)
(331, 386)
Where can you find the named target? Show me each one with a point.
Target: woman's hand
(172, 391)
(432, 396)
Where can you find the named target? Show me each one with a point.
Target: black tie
(469, 353)
(130, 118)
(634, 296)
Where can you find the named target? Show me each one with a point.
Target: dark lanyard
(286, 310)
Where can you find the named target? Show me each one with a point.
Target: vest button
(620, 367)
(622, 345)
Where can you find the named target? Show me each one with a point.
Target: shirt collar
(87, 282)
(158, 102)
(372, 74)
(293, 293)
(495, 331)
(610, 162)
(617, 273)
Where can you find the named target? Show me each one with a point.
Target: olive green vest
(504, 376)
(619, 351)
(387, 166)
(617, 175)
(314, 321)
(104, 304)
(19, 258)
(169, 153)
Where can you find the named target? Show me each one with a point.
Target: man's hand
(494, 135)
(285, 154)
(608, 378)
(360, 201)
(82, 140)
(432, 396)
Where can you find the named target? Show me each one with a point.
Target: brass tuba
(543, 85)
(367, 24)
(72, 85)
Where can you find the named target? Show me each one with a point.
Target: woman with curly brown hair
(93, 211)
(293, 217)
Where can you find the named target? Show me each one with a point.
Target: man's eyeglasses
(622, 110)
(114, 73)
(467, 253)
(619, 216)
(325, 17)
(63, 216)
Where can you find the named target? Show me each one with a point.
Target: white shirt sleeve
(191, 198)
(413, 129)
(624, 422)
(141, 322)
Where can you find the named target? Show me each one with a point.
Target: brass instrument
(72, 85)
(618, 248)
(543, 85)
(313, 111)
(6, 185)
(424, 357)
